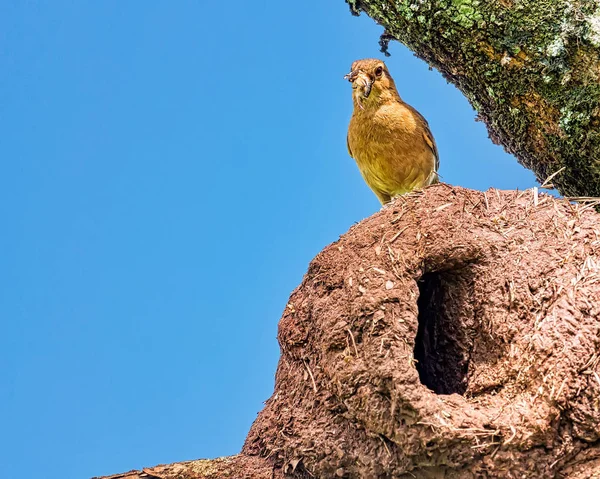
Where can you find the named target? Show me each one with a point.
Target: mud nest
(455, 334)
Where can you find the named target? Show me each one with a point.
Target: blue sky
(168, 170)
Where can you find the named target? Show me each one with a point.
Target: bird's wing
(428, 137)
(348, 145)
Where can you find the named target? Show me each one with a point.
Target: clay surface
(454, 334)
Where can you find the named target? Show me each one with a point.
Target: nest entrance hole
(443, 343)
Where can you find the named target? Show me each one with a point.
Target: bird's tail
(434, 178)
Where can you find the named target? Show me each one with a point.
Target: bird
(390, 141)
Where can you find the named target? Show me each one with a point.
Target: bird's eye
(379, 71)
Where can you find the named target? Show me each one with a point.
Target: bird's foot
(392, 202)
(389, 204)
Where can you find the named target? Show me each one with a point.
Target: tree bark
(530, 68)
(240, 466)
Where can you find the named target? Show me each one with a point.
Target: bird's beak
(351, 76)
(358, 78)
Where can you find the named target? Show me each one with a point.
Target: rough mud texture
(530, 68)
(455, 334)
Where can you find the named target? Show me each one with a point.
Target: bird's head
(372, 83)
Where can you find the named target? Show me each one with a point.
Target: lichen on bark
(530, 68)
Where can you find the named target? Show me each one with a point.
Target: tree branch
(240, 466)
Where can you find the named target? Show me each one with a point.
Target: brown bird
(390, 141)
